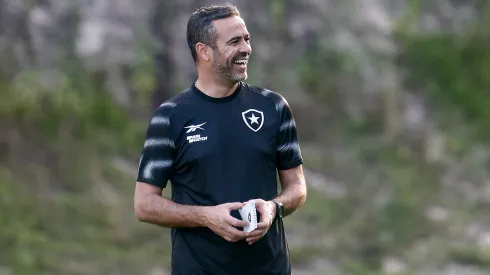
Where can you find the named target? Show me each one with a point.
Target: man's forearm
(155, 209)
(292, 198)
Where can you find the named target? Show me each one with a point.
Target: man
(220, 143)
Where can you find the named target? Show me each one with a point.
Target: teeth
(241, 62)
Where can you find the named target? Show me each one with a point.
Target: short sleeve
(158, 151)
(288, 154)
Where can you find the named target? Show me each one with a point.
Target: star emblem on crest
(254, 119)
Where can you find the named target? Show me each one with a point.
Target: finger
(258, 202)
(236, 222)
(261, 206)
(234, 205)
(232, 238)
(250, 201)
(234, 231)
(255, 233)
(259, 232)
(254, 239)
(236, 235)
(262, 225)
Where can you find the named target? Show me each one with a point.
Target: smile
(241, 62)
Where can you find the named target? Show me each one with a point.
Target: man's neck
(214, 89)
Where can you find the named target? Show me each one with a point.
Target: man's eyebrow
(238, 37)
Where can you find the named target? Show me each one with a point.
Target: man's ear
(203, 51)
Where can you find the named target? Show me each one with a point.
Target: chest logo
(192, 128)
(195, 137)
(253, 119)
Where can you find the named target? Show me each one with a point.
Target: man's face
(232, 49)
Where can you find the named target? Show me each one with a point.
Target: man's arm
(292, 197)
(151, 207)
(293, 193)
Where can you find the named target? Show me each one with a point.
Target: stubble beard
(224, 71)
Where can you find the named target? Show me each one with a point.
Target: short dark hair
(200, 25)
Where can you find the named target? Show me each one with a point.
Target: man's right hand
(219, 220)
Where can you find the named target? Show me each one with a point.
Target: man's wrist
(274, 209)
(279, 209)
(202, 215)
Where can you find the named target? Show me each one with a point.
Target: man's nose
(246, 48)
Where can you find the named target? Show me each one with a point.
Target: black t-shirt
(220, 150)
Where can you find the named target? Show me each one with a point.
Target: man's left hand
(267, 210)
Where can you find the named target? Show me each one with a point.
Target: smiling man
(220, 143)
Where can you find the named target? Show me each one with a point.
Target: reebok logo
(192, 128)
(195, 137)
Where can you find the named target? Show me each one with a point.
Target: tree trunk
(164, 64)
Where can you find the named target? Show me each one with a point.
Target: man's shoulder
(275, 97)
(176, 102)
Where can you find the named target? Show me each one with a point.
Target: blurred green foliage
(59, 223)
(76, 108)
(74, 233)
(452, 71)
